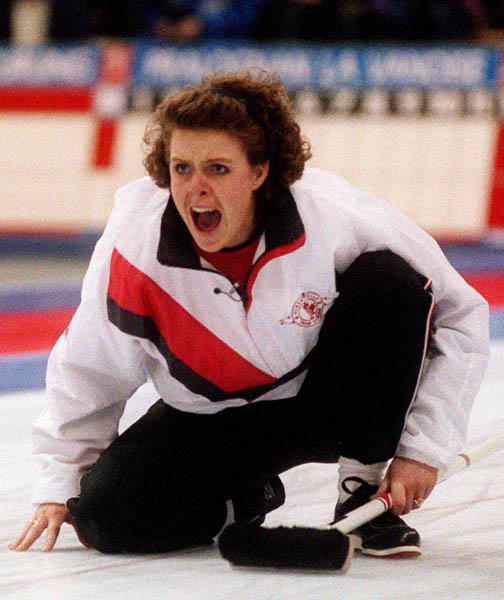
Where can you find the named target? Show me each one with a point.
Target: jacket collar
(282, 226)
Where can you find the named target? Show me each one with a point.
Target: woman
(283, 316)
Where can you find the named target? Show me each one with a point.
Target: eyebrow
(208, 160)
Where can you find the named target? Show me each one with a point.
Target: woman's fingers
(32, 531)
(51, 537)
(47, 516)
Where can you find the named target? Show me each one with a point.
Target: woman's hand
(409, 482)
(48, 517)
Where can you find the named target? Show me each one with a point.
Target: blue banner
(427, 67)
(325, 67)
(300, 67)
(49, 65)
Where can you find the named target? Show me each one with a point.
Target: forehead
(205, 143)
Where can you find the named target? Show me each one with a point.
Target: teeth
(202, 210)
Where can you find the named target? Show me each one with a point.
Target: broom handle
(379, 505)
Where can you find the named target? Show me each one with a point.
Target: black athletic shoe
(252, 506)
(386, 536)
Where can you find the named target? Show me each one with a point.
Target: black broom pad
(286, 547)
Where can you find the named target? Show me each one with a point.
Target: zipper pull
(233, 293)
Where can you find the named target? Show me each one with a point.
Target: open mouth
(206, 220)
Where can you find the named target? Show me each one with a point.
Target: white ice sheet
(462, 526)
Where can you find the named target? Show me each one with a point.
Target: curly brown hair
(251, 105)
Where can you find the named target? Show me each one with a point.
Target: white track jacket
(152, 309)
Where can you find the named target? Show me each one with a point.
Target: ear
(260, 174)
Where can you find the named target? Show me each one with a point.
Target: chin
(209, 245)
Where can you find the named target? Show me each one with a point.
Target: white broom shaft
(376, 507)
(474, 454)
(365, 513)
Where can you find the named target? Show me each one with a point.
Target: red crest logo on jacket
(307, 310)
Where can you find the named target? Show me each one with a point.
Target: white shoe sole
(397, 552)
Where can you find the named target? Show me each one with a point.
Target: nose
(198, 186)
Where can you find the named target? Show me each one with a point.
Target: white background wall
(437, 170)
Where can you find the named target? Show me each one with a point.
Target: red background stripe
(104, 148)
(496, 208)
(43, 99)
(32, 331)
(491, 287)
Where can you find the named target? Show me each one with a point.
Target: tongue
(207, 221)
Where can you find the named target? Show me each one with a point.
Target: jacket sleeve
(93, 369)
(437, 423)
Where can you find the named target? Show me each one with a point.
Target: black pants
(163, 484)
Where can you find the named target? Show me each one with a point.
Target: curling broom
(328, 548)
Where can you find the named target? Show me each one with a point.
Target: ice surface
(462, 526)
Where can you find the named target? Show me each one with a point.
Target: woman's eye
(220, 169)
(181, 168)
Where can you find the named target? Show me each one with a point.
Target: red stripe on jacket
(188, 339)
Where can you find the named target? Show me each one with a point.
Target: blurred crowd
(311, 20)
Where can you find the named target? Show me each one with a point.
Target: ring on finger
(417, 502)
